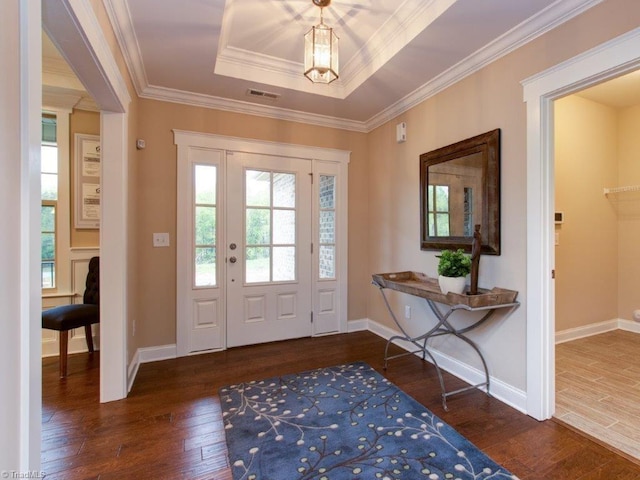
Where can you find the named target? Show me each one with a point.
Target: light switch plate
(160, 239)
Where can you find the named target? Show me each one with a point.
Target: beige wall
(383, 187)
(596, 147)
(586, 138)
(156, 201)
(490, 98)
(627, 207)
(81, 121)
(134, 276)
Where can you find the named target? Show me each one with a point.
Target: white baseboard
(504, 392)
(596, 329)
(132, 370)
(77, 343)
(358, 325)
(146, 355)
(629, 326)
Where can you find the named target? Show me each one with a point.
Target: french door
(268, 251)
(260, 243)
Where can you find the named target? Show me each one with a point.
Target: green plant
(454, 263)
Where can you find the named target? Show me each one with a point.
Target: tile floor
(598, 388)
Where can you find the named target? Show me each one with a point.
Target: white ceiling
(393, 54)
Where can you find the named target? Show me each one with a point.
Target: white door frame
(609, 60)
(185, 139)
(75, 30)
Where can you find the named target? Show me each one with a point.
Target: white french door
(261, 242)
(268, 251)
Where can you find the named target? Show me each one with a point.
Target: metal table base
(443, 327)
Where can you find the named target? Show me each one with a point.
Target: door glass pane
(270, 220)
(284, 264)
(205, 266)
(327, 227)
(205, 180)
(205, 225)
(327, 191)
(327, 261)
(257, 188)
(284, 227)
(257, 264)
(258, 230)
(284, 190)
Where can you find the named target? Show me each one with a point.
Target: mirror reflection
(454, 202)
(459, 189)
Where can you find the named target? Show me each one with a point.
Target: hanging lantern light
(321, 50)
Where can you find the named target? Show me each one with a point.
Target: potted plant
(453, 268)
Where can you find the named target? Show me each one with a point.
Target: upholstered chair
(68, 317)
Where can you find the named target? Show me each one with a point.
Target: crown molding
(411, 18)
(556, 14)
(546, 20)
(122, 24)
(259, 68)
(248, 108)
(73, 24)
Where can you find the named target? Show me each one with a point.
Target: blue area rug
(343, 422)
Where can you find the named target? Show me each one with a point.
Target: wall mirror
(459, 188)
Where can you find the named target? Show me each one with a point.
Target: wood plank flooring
(598, 388)
(170, 426)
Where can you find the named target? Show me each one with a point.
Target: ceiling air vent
(252, 92)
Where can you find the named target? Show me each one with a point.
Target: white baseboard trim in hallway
(506, 393)
(596, 329)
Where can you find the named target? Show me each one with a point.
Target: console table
(420, 285)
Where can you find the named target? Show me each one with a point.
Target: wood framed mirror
(460, 188)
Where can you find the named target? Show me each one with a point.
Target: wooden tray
(420, 285)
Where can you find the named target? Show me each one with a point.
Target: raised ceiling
(393, 55)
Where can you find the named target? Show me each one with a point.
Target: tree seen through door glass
(205, 225)
(270, 223)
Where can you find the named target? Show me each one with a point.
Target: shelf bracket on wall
(630, 188)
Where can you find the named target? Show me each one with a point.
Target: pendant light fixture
(321, 50)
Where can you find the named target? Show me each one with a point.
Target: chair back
(92, 285)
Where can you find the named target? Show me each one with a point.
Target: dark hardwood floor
(170, 426)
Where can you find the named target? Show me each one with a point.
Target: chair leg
(89, 337)
(64, 345)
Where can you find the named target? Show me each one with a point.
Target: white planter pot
(452, 284)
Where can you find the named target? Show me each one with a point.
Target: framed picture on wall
(87, 181)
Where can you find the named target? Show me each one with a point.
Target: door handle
(233, 260)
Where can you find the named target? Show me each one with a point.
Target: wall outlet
(160, 239)
(407, 312)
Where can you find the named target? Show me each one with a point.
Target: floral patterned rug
(342, 422)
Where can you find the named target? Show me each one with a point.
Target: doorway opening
(597, 197)
(610, 60)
